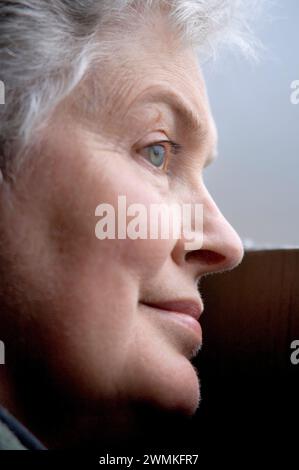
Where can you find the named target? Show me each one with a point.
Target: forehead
(146, 73)
(136, 74)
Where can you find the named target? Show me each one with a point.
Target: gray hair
(47, 48)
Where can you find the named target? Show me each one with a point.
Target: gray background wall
(255, 180)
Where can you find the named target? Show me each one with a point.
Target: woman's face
(80, 302)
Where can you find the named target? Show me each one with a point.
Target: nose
(221, 247)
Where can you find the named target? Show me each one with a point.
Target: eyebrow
(186, 114)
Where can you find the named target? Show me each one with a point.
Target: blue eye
(157, 155)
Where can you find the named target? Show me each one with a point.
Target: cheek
(143, 249)
(119, 186)
(95, 318)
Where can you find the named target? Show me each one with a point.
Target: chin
(185, 390)
(174, 389)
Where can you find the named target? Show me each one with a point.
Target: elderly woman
(103, 99)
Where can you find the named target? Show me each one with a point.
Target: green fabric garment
(8, 441)
(14, 435)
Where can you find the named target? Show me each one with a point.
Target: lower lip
(186, 320)
(183, 319)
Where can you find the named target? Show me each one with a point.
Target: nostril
(207, 257)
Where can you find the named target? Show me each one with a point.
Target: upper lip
(191, 307)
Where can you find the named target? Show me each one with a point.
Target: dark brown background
(250, 389)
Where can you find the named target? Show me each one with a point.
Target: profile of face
(82, 326)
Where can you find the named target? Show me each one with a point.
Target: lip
(190, 307)
(185, 312)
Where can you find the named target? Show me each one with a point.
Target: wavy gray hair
(47, 47)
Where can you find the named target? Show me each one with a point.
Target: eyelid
(175, 148)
